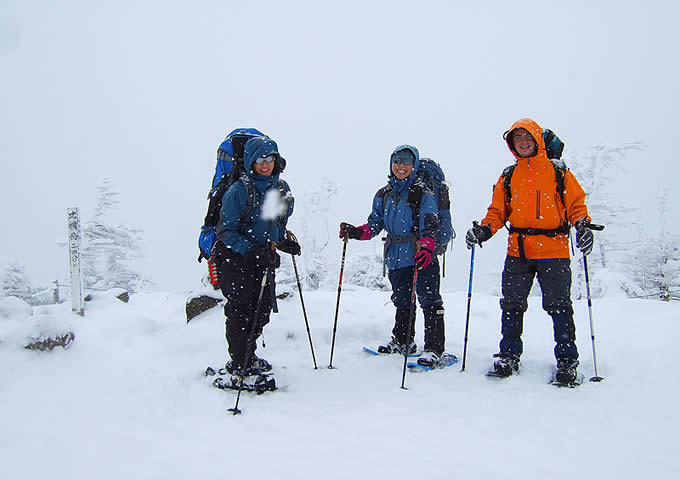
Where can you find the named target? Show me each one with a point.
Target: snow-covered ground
(129, 399)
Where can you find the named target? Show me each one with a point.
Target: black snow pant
(240, 282)
(427, 291)
(554, 277)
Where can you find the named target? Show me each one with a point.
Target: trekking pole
(251, 334)
(444, 264)
(467, 316)
(345, 239)
(302, 301)
(596, 378)
(411, 321)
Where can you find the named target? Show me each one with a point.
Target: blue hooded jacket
(392, 212)
(238, 233)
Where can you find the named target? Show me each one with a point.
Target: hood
(258, 147)
(413, 150)
(535, 130)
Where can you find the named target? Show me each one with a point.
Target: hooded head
(534, 130)
(409, 150)
(258, 147)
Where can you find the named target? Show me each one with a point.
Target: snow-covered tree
(656, 262)
(314, 234)
(108, 250)
(14, 281)
(600, 172)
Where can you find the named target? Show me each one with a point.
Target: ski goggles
(266, 158)
(403, 156)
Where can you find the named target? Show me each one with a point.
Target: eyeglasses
(403, 157)
(266, 158)
(522, 137)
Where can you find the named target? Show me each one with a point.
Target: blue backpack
(430, 173)
(228, 170)
(430, 176)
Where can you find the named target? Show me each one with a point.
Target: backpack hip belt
(390, 239)
(521, 232)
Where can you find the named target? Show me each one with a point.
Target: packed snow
(129, 398)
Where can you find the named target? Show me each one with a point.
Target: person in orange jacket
(538, 244)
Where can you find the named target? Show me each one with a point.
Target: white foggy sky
(145, 91)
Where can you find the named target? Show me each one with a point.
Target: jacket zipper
(538, 204)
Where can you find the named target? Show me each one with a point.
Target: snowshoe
(254, 383)
(251, 383)
(375, 353)
(432, 361)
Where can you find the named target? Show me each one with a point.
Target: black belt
(564, 229)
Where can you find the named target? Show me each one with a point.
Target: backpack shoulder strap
(282, 185)
(560, 170)
(507, 178)
(251, 197)
(386, 190)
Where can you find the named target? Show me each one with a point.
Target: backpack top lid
(553, 145)
(227, 147)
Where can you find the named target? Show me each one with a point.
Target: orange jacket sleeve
(496, 214)
(574, 199)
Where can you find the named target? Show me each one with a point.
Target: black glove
(584, 236)
(289, 246)
(352, 231)
(477, 234)
(264, 257)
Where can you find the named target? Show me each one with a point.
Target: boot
(429, 359)
(506, 365)
(393, 346)
(566, 370)
(257, 366)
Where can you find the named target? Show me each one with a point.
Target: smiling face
(401, 170)
(524, 143)
(402, 163)
(266, 167)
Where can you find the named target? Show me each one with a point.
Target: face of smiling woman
(401, 171)
(266, 167)
(402, 163)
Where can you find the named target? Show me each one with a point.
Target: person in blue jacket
(410, 244)
(247, 234)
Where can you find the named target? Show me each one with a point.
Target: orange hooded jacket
(535, 201)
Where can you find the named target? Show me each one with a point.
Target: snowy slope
(128, 399)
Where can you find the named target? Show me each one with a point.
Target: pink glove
(424, 257)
